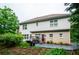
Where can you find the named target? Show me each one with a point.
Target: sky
(26, 11)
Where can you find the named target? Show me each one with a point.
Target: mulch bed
(23, 51)
(28, 51)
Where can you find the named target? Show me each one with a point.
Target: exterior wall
(56, 38)
(24, 31)
(62, 24)
(45, 25)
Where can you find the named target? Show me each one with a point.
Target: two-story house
(54, 27)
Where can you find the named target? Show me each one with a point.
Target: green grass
(35, 47)
(56, 51)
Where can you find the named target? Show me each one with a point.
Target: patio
(66, 47)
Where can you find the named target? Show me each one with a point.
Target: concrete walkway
(66, 47)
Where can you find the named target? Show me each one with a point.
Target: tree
(8, 21)
(73, 8)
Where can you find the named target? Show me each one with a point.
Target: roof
(46, 17)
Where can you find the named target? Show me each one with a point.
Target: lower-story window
(26, 36)
(37, 36)
(50, 35)
(61, 35)
(30, 36)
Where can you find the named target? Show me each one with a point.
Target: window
(25, 26)
(50, 35)
(61, 35)
(26, 36)
(53, 23)
(37, 36)
(36, 23)
(30, 36)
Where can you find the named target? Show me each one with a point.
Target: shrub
(24, 44)
(56, 51)
(61, 43)
(48, 42)
(51, 42)
(10, 39)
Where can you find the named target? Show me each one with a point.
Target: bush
(61, 43)
(24, 44)
(49, 42)
(56, 51)
(10, 39)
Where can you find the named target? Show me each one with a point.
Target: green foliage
(5, 52)
(8, 21)
(50, 42)
(10, 39)
(73, 8)
(56, 51)
(61, 43)
(75, 28)
(24, 44)
(35, 47)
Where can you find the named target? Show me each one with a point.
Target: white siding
(62, 24)
(23, 31)
(45, 25)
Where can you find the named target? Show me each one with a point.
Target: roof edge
(46, 19)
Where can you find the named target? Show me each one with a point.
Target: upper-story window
(53, 23)
(25, 26)
(36, 23)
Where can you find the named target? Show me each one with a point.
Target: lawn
(31, 51)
